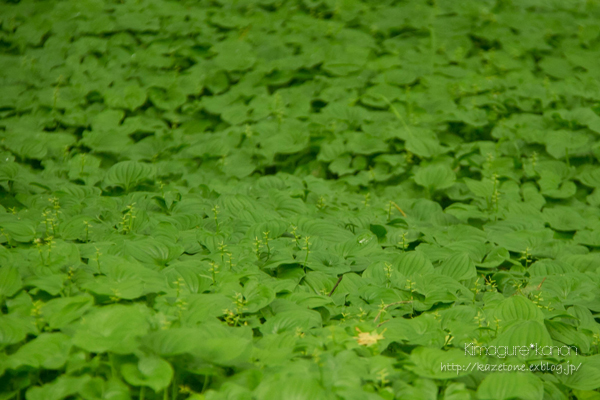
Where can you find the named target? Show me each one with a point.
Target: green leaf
(459, 266)
(430, 362)
(257, 296)
(222, 345)
(585, 377)
(523, 333)
(345, 60)
(483, 188)
(234, 55)
(10, 281)
(561, 144)
(293, 388)
(378, 230)
(48, 351)
(518, 308)
(64, 386)
(98, 388)
(590, 176)
(166, 99)
(508, 385)
(568, 335)
(111, 328)
(435, 177)
(53, 283)
(326, 230)
(582, 116)
(423, 389)
(399, 76)
(196, 279)
(152, 251)
(424, 144)
(22, 231)
(13, 329)
(239, 165)
(62, 311)
(587, 237)
(564, 218)
(288, 321)
(9, 171)
(130, 96)
(171, 342)
(556, 67)
(414, 262)
(151, 371)
(128, 174)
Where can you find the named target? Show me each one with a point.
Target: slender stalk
(389, 305)
(336, 285)
(307, 252)
(399, 209)
(174, 387)
(205, 385)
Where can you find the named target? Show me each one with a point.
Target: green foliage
(298, 199)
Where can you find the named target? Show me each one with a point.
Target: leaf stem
(397, 114)
(174, 387)
(307, 252)
(399, 209)
(389, 305)
(541, 283)
(336, 285)
(205, 385)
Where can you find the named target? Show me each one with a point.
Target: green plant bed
(311, 199)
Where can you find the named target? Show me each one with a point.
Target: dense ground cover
(312, 199)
